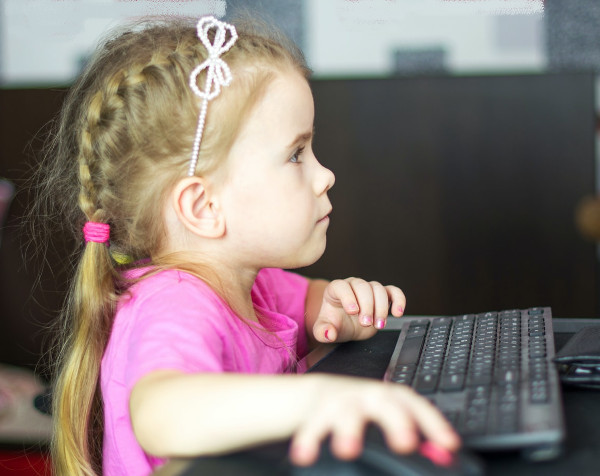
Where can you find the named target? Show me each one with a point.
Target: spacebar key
(411, 349)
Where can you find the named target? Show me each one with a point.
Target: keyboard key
(452, 382)
(506, 376)
(535, 311)
(409, 354)
(537, 351)
(508, 393)
(506, 417)
(417, 330)
(539, 391)
(403, 374)
(480, 378)
(426, 383)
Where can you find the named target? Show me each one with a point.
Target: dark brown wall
(462, 190)
(26, 308)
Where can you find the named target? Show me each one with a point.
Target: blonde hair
(123, 139)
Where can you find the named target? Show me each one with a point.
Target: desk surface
(582, 407)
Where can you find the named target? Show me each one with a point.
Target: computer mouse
(375, 460)
(428, 460)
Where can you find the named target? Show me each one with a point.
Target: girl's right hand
(344, 407)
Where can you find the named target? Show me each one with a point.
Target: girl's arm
(349, 309)
(178, 415)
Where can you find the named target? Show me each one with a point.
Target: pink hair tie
(96, 232)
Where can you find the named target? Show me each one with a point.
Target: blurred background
(462, 133)
(45, 42)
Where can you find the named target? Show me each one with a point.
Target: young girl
(185, 153)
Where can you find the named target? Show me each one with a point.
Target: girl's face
(275, 195)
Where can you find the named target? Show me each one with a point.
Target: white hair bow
(218, 73)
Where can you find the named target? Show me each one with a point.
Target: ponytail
(87, 315)
(77, 404)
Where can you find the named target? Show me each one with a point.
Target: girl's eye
(295, 158)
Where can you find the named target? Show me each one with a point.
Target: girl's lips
(325, 218)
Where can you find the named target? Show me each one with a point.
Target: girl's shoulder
(148, 276)
(173, 284)
(180, 287)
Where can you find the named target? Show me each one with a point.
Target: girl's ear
(196, 209)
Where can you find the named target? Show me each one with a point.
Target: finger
(347, 436)
(325, 331)
(306, 442)
(340, 293)
(399, 428)
(404, 419)
(398, 300)
(382, 304)
(366, 301)
(431, 422)
(390, 410)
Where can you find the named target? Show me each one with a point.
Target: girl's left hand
(354, 309)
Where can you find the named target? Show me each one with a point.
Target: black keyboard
(491, 375)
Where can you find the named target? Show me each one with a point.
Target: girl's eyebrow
(305, 136)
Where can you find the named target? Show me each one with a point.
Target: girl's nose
(324, 180)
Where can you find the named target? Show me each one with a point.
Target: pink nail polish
(326, 336)
(438, 455)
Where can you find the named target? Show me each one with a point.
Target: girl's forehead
(284, 113)
(287, 102)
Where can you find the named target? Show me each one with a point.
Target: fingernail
(438, 455)
(352, 307)
(400, 309)
(366, 320)
(326, 334)
(379, 323)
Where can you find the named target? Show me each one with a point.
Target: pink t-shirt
(173, 320)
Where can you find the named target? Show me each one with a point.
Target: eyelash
(296, 155)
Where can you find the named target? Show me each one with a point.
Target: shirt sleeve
(285, 292)
(175, 328)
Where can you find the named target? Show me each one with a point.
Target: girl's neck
(232, 282)
(239, 292)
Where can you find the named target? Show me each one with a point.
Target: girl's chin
(317, 256)
(306, 260)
